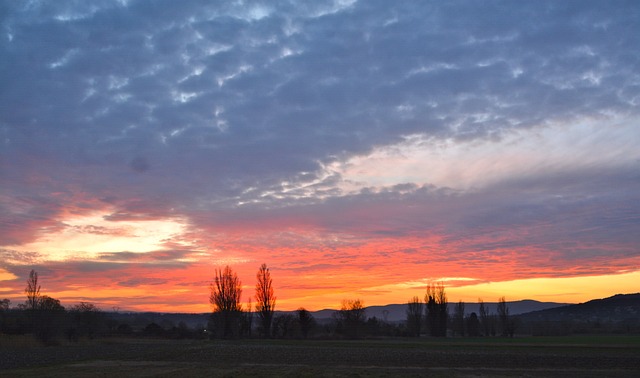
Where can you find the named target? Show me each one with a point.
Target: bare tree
(4, 309)
(437, 311)
(33, 291)
(226, 290)
(507, 323)
(265, 299)
(284, 326)
(473, 325)
(88, 320)
(458, 319)
(485, 318)
(414, 316)
(48, 319)
(247, 319)
(33, 302)
(503, 314)
(306, 321)
(351, 317)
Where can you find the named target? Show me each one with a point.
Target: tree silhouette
(265, 299)
(153, 330)
(437, 312)
(351, 317)
(414, 316)
(48, 319)
(485, 318)
(4, 309)
(473, 325)
(458, 319)
(507, 323)
(87, 320)
(246, 324)
(284, 326)
(32, 290)
(226, 290)
(32, 303)
(306, 321)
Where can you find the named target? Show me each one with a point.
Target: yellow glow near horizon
(194, 299)
(565, 289)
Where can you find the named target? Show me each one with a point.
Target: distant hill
(619, 308)
(398, 312)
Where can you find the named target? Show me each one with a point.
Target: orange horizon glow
(194, 299)
(166, 267)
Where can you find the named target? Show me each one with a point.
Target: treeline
(230, 319)
(436, 321)
(45, 318)
(50, 322)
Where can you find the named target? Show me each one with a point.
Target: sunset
(360, 149)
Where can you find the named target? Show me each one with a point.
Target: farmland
(530, 356)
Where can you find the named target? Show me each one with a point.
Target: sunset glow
(88, 236)
(360, 150)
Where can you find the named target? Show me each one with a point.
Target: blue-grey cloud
(157, 108)
(134, 282)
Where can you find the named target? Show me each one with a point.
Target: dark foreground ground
(530, 357)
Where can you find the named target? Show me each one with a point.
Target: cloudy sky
(360, 148)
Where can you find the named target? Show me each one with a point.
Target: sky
(361, 149)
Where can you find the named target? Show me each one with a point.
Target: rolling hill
(618, 308)
(398, 312)
(613, 313)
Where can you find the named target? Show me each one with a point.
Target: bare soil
(383, 358)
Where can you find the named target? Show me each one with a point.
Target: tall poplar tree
(265, 299)
(414, 316)
(437, 312)
(33, 291)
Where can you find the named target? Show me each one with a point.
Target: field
(586, 356)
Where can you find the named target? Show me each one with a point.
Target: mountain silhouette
(617, 314)
(621, 310)
(618, 308)
(398, 312)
